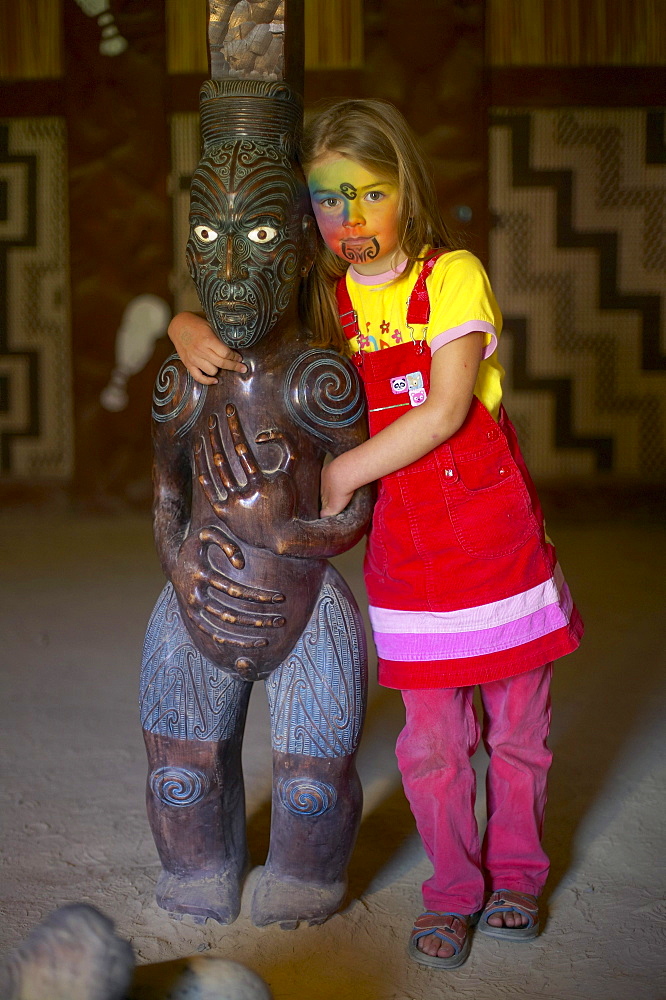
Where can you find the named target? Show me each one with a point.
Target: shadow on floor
(605, 696)
(588, 758)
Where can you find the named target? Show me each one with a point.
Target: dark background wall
(545, 126)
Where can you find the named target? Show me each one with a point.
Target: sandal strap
(510, 901)
(448, 927)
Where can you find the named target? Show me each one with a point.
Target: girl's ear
(309, 244)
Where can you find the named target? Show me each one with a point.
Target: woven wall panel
(31, 39)
(36, 435)
(185, 146)
(576, 33)
(578, 258)
(333, 34)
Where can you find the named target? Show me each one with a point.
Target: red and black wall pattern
(578, 253)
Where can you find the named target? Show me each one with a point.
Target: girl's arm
(202, 353)
(452, 378)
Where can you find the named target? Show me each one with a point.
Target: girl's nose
(354, 215)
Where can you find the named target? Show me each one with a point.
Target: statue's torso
(268, 598)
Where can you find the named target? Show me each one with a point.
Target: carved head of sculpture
(250, 238)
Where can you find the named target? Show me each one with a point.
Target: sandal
(450, 927)
(508, 901)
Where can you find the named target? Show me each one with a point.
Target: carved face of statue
(247, 238)
(357, 212)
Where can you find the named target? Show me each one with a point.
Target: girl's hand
(336, 491)
(202, 353)
(421, 429)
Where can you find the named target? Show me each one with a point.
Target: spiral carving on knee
(179, 786)
(306, 796)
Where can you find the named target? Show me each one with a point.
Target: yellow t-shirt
(461, 302)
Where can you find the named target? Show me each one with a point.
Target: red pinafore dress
(463, 586)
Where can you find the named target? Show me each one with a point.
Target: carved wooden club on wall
(250, 595)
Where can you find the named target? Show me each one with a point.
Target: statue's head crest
(269, 112)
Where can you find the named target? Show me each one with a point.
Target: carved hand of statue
(198, 584)
(259, 509)
(262, 511)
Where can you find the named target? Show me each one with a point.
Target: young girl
(463, 585)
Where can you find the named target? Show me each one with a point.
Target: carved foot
(201, 896)
(73, 955)
(287, 900)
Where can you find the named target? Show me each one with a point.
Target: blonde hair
(376, 135)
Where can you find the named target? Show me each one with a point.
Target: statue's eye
(205, 234)
(262, 234)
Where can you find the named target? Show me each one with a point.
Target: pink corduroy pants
(434, 753)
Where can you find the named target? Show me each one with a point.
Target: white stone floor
(75, 598)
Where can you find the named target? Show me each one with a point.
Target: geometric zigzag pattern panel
(578, 261)
(36, 432)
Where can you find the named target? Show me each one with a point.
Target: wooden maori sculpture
(250, 595)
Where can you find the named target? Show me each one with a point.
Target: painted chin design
(360, 251)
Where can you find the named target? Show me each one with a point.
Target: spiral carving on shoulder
(179, 786)
(176, 394)
(306, 796)
(323, 392)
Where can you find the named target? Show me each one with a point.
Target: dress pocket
(487, 499)
(376, 559)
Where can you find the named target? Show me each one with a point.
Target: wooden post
(237, 468)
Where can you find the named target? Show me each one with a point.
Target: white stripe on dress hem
(483, 616)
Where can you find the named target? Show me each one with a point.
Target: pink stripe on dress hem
(415, 647)
(482, 616)
(481, 669)
(470, 326)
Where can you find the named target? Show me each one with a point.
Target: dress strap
(418, 307)
(348, 315)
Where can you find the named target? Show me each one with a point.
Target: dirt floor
(76, 596)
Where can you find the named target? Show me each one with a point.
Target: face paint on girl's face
(357, 212)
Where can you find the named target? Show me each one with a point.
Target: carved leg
(193, 716)
(196, 809)
(317, 700)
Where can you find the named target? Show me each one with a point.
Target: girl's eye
(262, 234)
(374, 195)
(205, 234)
(330, 202)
